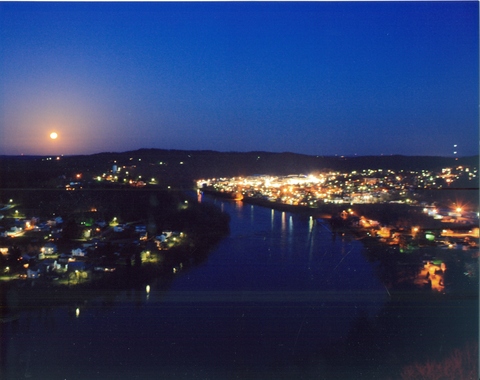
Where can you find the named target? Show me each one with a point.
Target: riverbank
(394, 238)
(20, 295)
(303, 295)
(385, 213)
(110, 260)
(319, 213)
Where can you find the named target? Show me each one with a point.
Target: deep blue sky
(320, 78)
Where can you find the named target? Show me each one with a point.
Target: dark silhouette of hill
(200, 164)
(182, 166)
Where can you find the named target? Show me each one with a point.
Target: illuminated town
(345, 198)
(239, 190)
(364, 187)
(143, 220)
(450, 227)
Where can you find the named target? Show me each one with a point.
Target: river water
(269, 302)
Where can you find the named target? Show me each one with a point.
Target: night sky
(320, 78)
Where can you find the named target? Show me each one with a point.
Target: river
(272, 300)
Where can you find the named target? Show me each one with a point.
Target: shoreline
(403, 259)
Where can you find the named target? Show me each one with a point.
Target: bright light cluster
(356, 187)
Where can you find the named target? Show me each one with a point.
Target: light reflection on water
(273, 293)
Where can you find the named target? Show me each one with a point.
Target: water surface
(267, 303)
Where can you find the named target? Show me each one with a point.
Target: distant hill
(181, 166)
(217, 164)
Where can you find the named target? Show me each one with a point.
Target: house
(78, 252)
(49, 266)
(64, 259)
(461, 233)
(141, 228)
(14, 231)
(41, 227)
(49, 249)
(384, 232)
(118, 228)
(33, 272)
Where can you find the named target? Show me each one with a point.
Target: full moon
(53, 135)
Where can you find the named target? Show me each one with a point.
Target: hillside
(179, 167)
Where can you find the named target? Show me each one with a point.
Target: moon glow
(53, 135)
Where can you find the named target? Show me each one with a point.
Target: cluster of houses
(458, 240)
(36, 244)
(21, 225)
(454, 235)
(355, 187)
